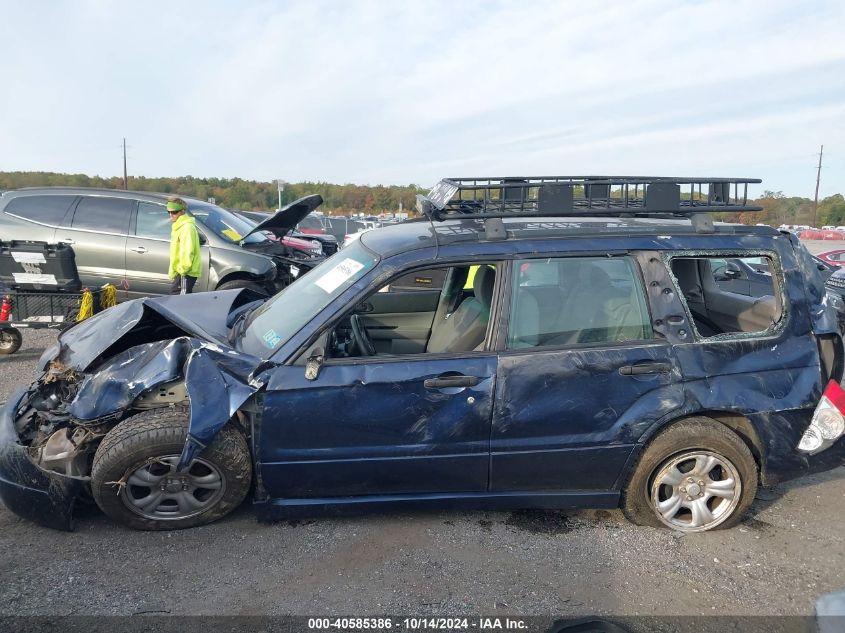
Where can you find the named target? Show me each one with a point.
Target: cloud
(372, 91)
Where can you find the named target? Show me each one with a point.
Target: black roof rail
(574, 196)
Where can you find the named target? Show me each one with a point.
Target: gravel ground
(779, 561)
(788, 552)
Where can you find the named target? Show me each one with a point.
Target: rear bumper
(800, 464)
(828, 459)
(25, 489)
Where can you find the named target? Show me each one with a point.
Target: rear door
(579, 356)
(97, 231)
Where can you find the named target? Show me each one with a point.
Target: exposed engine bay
(59, 442)
(140, 355)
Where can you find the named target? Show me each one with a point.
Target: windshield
(285, 314)
(225, 224)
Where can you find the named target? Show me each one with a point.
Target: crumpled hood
(135, 346)
(204, 316)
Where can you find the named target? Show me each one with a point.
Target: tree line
(781, 209)
(237, 193)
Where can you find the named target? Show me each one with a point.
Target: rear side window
(44, 209)
(576, 301)
(729, 295)
(109, 215)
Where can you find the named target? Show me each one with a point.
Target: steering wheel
(362, 338)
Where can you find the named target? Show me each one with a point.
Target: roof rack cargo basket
(584, 196)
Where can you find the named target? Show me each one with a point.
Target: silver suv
(123, 238)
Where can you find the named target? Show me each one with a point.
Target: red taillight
(828, 422)
(836, 395)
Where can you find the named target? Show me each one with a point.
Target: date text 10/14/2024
(417, 624)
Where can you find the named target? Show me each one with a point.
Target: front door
(410, 425)
(580, 362)
(411, 418)
(148, 253)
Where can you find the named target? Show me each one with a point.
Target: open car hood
(281, 222)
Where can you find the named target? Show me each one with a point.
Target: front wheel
(134, 478)
(695, 476)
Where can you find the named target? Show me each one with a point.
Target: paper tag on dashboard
(340, 273)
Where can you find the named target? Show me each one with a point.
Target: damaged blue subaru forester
(528, 342)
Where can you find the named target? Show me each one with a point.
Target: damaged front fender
(111, 362)
(218, 381)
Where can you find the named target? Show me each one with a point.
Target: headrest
(482, 285)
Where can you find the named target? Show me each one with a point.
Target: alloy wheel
(695, 491)
(155, 490)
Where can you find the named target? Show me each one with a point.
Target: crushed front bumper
(25, 489)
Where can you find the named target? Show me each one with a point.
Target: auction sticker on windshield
(340, 273)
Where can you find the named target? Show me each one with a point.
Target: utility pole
(818, 178)
(125, 179)
(281, 185)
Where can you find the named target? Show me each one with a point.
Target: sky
(386, 92)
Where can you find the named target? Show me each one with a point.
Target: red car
(834, 257)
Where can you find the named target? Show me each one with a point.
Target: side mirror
(732, 271)
(203, 238)
(313, 364)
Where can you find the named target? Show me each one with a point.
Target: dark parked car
(748, 276)
(593, 361)
(836, 282)
(123, 238)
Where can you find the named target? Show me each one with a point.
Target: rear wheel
(134, 478)
(695, 476)
(10, 340)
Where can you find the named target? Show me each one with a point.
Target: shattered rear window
(730, 295)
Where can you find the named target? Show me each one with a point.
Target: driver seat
(464, 329)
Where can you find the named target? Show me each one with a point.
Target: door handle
(67, 240)
(444, 382)
(638, 369)
(139, 249)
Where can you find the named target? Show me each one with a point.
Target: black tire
(10, 340)
(244, 283)
(136, 442)
(673, 445)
